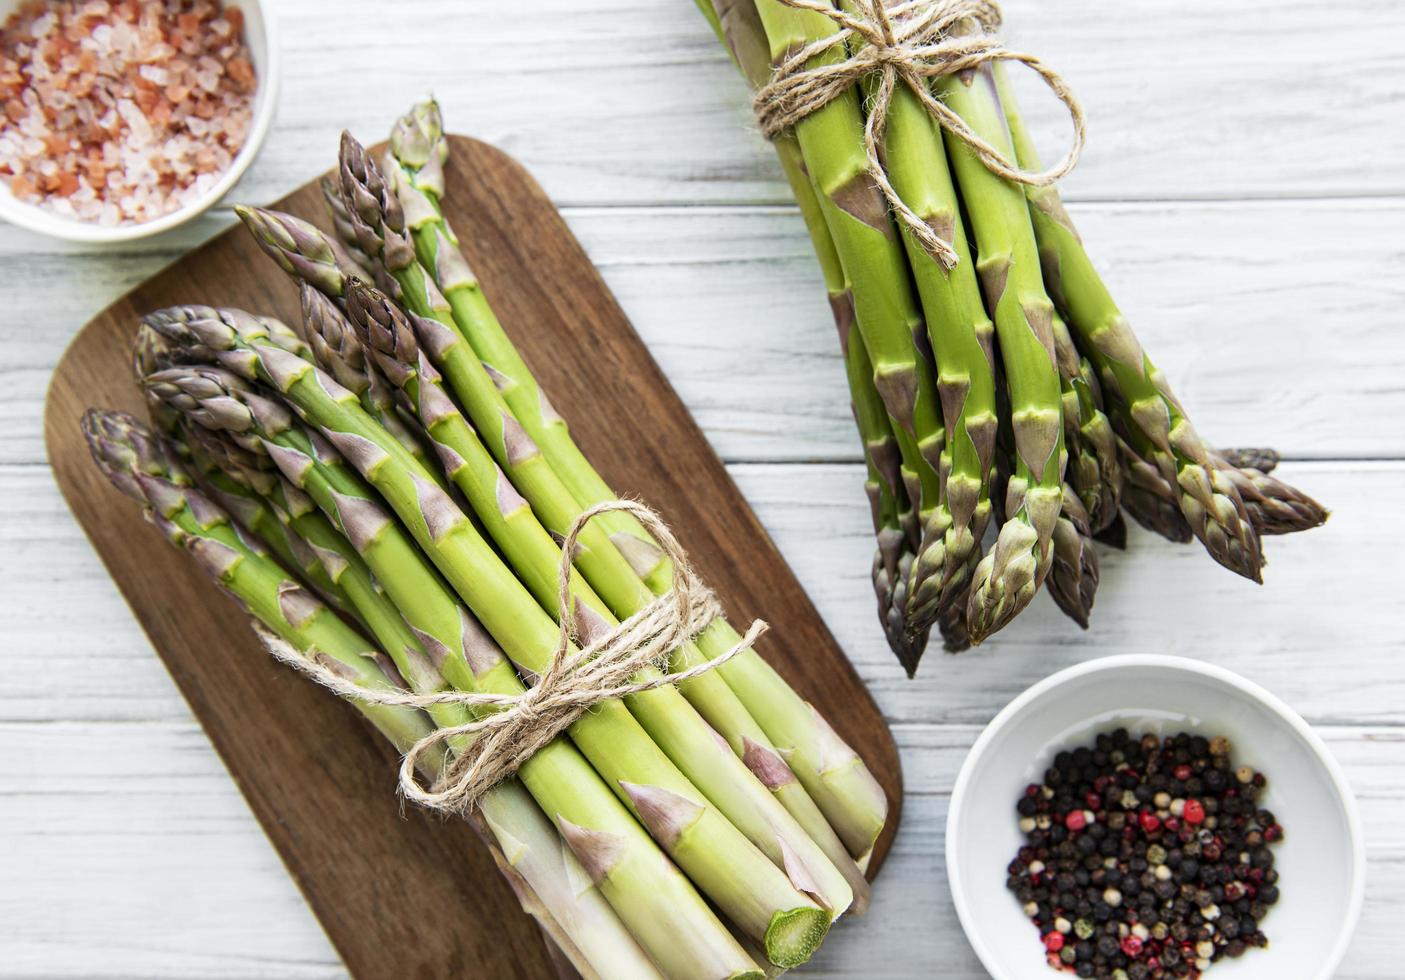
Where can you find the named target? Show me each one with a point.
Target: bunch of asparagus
(383, 486)
(1006, 393)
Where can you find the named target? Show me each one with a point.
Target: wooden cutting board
(399, 892)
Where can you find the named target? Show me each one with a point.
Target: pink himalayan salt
(120, 111)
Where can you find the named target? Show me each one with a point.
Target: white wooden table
(1243, 191)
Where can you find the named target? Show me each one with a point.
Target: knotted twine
(501, 741)
(911, 42)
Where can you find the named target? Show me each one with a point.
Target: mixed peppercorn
(1146, 858)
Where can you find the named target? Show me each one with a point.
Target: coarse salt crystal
(100, 109)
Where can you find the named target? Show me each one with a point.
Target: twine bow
(911, 42)
(493, 747)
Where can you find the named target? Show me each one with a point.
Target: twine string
(910, 42)
(511, 728)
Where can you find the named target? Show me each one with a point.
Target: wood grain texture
(314, 776)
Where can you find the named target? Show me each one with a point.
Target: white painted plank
(135, 857)
(630, 101)
(1319, 609)
(1277, 321)
(127, 835)
(129, 852)
(1319, 605)
(52, 289)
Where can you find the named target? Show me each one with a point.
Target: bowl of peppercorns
(1149, 817)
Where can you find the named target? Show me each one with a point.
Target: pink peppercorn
(1150, 822)
(1054, 941)
(1194, 812)
(1132, 946)
(1075, 820)
(1182, 773)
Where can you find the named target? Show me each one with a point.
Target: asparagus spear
(1261, 458)
(137, 463)
(335, 348)
(961, 332)
(738, 791)
(1073, 572)
(1115, 534)
(1149, 498)
(439, 318)
(1273, 506)
(1207, 497)
(892, 560)
(1073, 577)
(893, 557)
(1093, 471)
(304, 252)
(548, 879)
(1093, 482)
(554, 888)
(623, 862)
(829, 771)
(272, 525)
(1008, 263)
(544, 876)
(728, 867)
(846, 793)
(150, 353)
(343, 242)
(952, 623)
(738, 27)
(856, 213)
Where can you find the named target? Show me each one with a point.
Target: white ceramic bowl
(1322, 857)
(261, 35)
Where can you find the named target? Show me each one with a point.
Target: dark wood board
(401, 893)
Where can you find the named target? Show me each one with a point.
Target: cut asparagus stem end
(794, 935)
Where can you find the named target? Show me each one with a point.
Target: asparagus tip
(1004, 581)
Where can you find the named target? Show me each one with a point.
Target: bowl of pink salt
(120, 119)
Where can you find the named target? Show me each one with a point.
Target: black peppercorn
(1148, 850)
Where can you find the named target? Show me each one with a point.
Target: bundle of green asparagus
(383, 485)
(996, 385)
